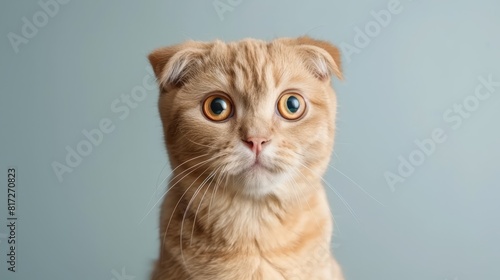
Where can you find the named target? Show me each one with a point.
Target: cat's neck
(239, 220)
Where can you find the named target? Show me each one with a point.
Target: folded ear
(321, 57)
(173, 65)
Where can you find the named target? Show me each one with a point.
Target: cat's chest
(262, 269)
(245, 241)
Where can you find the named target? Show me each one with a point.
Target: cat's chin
(257, 181)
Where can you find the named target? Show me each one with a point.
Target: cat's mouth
(259, 177)
(258, 165)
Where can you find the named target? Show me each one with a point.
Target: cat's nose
(255, 143)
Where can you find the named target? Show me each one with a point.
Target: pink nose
(255, 143)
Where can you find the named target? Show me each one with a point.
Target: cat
(249, 128)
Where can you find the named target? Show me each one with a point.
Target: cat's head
(257, 115)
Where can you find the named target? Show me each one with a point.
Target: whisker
(198, 189)
(356, 184)
(214, 173)
(336, 193)
(329, 209)
(177, 204)
(217, 184)
(294, 184)
(335, 154)
(196, 166)
(161, 183)
(203, 145)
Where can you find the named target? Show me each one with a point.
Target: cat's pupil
(218, 106)
(292, 104)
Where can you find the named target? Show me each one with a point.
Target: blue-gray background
(442, 222)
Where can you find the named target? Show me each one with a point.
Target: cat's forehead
(247, 66)
(252, 68)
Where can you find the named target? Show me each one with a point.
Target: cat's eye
(217, 107)
(291, 106)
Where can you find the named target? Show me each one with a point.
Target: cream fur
(225, 217)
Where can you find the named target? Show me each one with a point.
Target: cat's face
(256, 115)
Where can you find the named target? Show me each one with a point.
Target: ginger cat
(249, 128)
